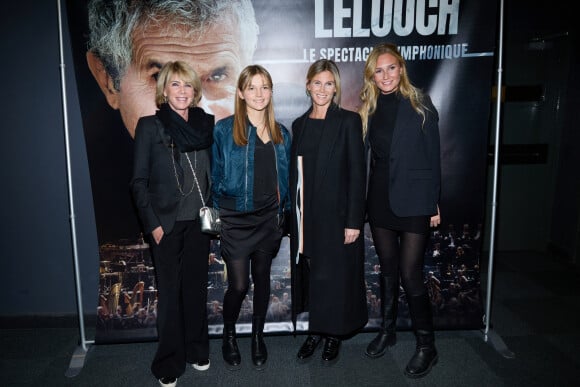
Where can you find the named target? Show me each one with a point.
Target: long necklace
(190, 166)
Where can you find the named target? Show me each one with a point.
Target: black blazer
(415, 161)
(154, 186)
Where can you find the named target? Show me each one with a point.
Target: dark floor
(535, 313)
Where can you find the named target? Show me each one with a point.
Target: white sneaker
(168, 382)
(201, 365)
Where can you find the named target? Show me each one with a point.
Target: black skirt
(243, 233)
(379, 209)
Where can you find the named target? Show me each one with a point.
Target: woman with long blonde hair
(401, 133)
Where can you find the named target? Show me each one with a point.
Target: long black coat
(333, 289)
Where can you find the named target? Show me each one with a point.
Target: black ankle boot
(230, 350)
(259, 351)
(331, 349)
(387, 336)
(308, 347)
(425, 356)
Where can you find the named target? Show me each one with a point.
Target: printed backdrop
(449, 47)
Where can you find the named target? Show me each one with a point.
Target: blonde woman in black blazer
(403, 158)
(172, 151)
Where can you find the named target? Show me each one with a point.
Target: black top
(190, 200)
(382, 127)
(265, 176)
(308, 149)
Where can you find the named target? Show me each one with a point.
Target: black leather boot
(259, 351)
(387, 336)
(425, 356)
(230, 350)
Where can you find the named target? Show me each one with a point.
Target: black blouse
(382, 127)
(308, 149)
(265, 175)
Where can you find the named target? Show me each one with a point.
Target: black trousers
(181, 265)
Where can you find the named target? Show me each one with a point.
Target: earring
(165, 98)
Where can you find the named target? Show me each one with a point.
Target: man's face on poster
(215, 55)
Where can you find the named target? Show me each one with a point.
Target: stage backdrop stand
(78, 358)
(489, 335)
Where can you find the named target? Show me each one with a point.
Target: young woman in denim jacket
(250, 187)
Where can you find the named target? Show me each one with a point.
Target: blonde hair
(184, 72)
(370, 92)
(240, 110)
(320, 66)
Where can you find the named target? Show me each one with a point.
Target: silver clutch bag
(210, 220)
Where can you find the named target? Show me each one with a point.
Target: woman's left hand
(436, 219)
(350, 235)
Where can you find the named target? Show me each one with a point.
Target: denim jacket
(233, 168)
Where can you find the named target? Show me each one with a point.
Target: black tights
(239, 283)
(402, 253)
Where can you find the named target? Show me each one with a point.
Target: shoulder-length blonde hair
(183, 72)
(370, 92)
(241, 113)
(320, 66)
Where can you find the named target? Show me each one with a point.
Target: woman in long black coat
(327, 185)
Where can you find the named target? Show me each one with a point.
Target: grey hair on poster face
(112, 23)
